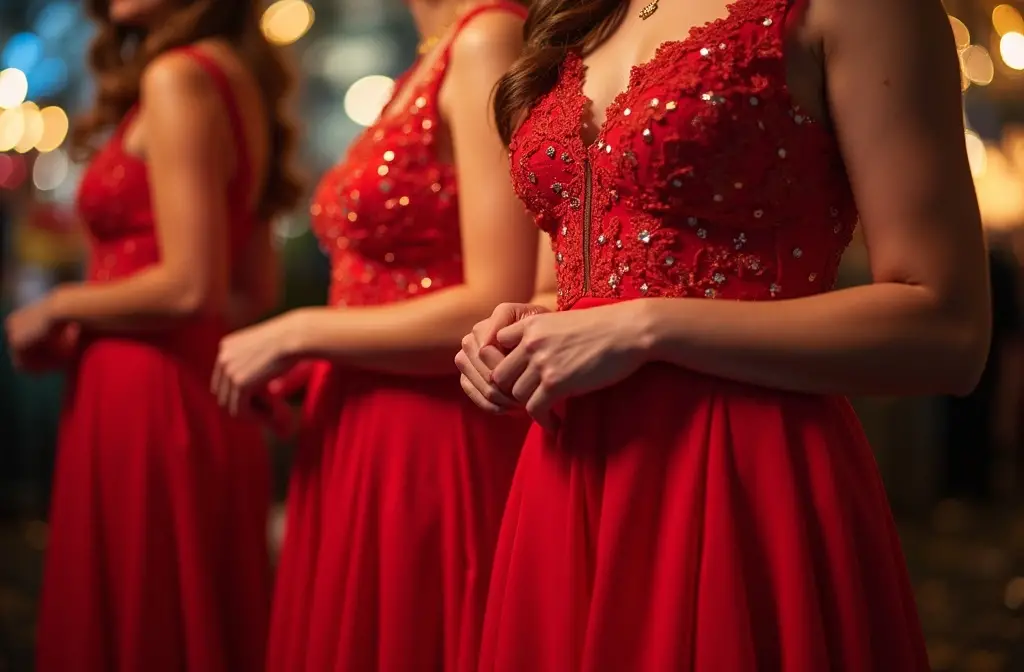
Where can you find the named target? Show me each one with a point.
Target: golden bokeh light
(365, 99)
(32, 131)
(1006, 19)
(961, 35)
(12, 127)
(55, 129)
(285, 21)
(977, 154)
(13, 87)
(977, 65)
(1011, 49)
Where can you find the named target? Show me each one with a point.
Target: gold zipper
(587, 195)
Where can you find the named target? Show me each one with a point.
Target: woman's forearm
(147, 299)
(885, 338)
(415, 337)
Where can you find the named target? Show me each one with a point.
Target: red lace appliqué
(706, 180)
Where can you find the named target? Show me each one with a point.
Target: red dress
(399, 485)
(157, 556)
(680, 521)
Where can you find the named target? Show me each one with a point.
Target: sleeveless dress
(399, 483)
(157, 556)
(679, 521)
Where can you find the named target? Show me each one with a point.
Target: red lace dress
(399, 485)
(157, 556)
(679, 521)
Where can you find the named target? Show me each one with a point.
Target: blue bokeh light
(23, 51)
(56, 19)
(47, 78)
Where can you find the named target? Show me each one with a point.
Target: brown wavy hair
(552, 29)
(119, 54)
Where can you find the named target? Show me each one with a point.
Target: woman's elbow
(194, 299)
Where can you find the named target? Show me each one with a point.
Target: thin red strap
(795, 12)
(501, 5)
(506, 5)
(227, 94)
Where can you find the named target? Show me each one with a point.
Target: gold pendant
(649, 10)
(427, 44)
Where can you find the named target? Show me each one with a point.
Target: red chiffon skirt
(683, 522)
(157, 556)
(394, 508)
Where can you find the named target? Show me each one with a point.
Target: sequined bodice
(388, 214)
(706, 178)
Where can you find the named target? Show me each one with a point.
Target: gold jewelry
(428, 43)
(649, 10)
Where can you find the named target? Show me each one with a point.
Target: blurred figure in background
(985, 421)
(399, 484)
(157, 557)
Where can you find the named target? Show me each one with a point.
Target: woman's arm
(187, 155)
(923, 325)
(499, 242)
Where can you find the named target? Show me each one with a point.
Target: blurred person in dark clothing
(974, 424)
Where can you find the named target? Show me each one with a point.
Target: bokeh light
(32, 129)
(50, 170)
(961, 35)
(367, 97)
(12, 126)
(1011, 50)
(285, 21)
(47, 78)
(12, 171)
(55, 129)
(22, 52)
(976, 153)
(1006, 19)
(13, 87)
(977, 65)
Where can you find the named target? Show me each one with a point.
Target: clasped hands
(525, 357)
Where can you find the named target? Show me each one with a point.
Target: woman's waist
(195, 342)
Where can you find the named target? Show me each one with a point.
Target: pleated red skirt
(157, 556)
(394, 508)
(683, 522)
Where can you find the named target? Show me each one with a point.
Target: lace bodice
(388, 214)
(706, 179)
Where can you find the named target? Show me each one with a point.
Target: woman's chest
(390, 195)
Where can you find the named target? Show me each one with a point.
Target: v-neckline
(686, 44)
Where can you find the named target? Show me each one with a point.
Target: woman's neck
(433, 17)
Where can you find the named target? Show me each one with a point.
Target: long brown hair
(552, 29)
(119, 54)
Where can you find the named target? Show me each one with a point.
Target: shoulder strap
(795, 11)
(464, 20)
(220, 80)
(477, 10)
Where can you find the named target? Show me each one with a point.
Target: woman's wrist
(56, 303)
(296, 325)
(642, 329)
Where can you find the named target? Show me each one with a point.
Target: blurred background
(954, 469)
